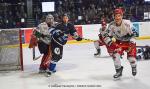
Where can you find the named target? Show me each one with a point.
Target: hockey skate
(118, 73)
(51, 69)
(49, 73)
(42, 71)
(134, 71)
(98, 53)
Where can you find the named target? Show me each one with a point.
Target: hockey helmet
(103, 23)
(65, 15)
(65, 18)
(118, 11)
(49, 18)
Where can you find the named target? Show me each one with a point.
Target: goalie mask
(49, 19)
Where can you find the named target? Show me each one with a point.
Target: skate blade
(41, 72)
(48, 75)
(116, 79)
(97, 56)
(134, 77)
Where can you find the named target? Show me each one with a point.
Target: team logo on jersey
(57, 51)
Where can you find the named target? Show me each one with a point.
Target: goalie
(40, 37)
(57, 37)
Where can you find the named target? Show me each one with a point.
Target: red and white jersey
(119, 32)
(101, 31)
(102, 36)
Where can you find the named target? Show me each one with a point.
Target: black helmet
(65, 14)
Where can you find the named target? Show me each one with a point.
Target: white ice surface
(78, 67)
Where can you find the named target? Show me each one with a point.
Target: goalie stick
(35, 57)
(33, 44)
(33, 52)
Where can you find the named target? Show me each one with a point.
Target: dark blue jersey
(66, 28)
(58, 36)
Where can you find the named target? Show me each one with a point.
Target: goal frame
(18, 33)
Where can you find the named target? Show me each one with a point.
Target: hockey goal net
(11, 49)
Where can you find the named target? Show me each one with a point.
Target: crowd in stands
(12, 13)
(80, 11)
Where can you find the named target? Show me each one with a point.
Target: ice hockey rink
(78, 69)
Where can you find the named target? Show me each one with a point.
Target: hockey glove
(79, 39)
(127, 36)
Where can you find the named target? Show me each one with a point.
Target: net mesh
(10, 49)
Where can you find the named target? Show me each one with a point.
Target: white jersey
(120, 32)
(43, 28)
(102, 32)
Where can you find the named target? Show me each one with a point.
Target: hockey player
(121, 30)
(44, 42)
(102, 38)
(100, 42)
(59, 38)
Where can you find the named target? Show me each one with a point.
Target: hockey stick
(34, 57)
(88, 39)
(121, 46)
(33, 52)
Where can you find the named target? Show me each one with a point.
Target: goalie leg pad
(43, 48)
(42, 66)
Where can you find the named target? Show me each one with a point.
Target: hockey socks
(98, 52)
(51, 68)
(134, 71)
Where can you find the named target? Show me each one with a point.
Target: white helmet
(49, 19)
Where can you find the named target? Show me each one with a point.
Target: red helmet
(118, 11)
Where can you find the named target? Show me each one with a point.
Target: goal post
(11, 56)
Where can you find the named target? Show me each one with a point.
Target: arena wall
(91, 31)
